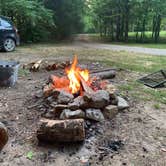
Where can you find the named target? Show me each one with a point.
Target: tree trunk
(127, 13)
(118, 21)
(157, 29)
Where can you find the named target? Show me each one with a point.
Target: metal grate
(154, 80)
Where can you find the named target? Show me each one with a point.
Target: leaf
(30, 155)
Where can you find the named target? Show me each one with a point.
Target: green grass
(147, 44)
(144, 93)
(23, 72)
(126, 60)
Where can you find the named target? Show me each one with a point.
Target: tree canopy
(115, 18)
(41, 20)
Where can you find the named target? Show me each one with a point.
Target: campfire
(75, 82)
(75, 98)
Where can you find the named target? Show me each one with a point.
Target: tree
(68, 16)
(31, 17)
(115, 18)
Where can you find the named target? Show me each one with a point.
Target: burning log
(85, 86)
(61, 130)
(3, 136)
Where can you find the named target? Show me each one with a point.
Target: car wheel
(9, 45)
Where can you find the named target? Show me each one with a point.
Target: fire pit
(71, 100)
(8, 73)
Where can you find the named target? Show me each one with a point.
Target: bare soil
(141, 129)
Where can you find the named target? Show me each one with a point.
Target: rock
(110, 88)
(77, 103)
(87, 97)
(64, 97)
(100, 99)
(110, 111)
(53, 104)
(122, 103)
(57, 109)
(73, 106)
(113, 100)
(55, 93)
(3, 135)
(50, 99)
(49, 115)
(94, 114)
(68, 114)
(47, 90)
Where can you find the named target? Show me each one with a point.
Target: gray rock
(68, 114)
(100, 99)
(77, 103)
(110, 111)
(114, 100)
(64, 97)
(55, 93)
(57, 109)
(122, 103)
(94, 114)
(49, 115)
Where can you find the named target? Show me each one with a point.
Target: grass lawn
(148, 44)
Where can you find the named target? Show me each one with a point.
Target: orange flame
(74, 74)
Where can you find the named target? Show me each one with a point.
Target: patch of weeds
(157, 94)
(141, 92)
(23, 72)
(157, 106)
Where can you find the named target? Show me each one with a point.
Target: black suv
(9, 37)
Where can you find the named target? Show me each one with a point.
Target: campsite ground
(142, 128)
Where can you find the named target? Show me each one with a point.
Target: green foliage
(115, 18)
(31, 18)
(68, 16)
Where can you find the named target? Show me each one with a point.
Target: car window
(5, 23)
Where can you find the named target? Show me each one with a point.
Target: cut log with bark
(36, 66)
(56, 66)
(108, 74)
(61, 130)
(102, 70)
(3, 135)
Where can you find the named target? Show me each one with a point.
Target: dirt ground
(141, 129)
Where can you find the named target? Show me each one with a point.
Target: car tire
(9, 45)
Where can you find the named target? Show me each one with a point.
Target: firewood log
(86, 88)
(61, 130)
(36, 66)
(3, 135)
(105, 74)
